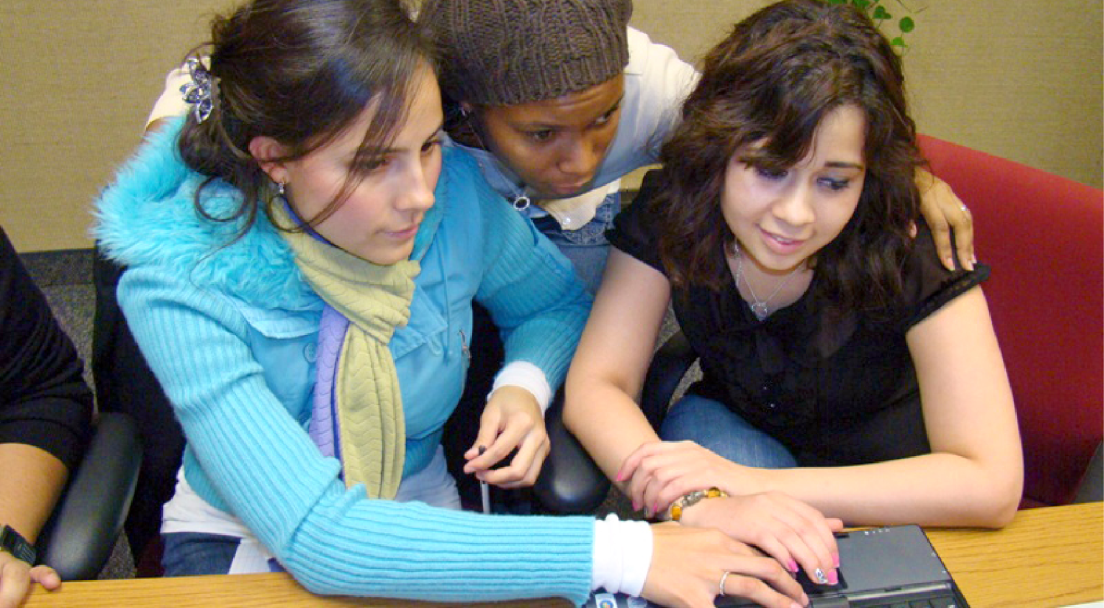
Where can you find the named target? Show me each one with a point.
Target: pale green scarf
(375, 299)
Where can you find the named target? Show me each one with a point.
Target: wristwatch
(14, 543)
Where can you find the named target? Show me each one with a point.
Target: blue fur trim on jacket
(148, 217)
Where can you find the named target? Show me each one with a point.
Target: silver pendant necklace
(760, 308)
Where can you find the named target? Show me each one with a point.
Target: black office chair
(125, 384)
(570, 482)
(81, 533)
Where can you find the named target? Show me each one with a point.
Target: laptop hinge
(830, 602)
(880, 597)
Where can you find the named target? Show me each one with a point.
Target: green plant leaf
(907, 25)
(862, 4)
(881, 13)
(898, 41)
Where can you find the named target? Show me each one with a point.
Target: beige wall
(77, 79)
(1017, 79)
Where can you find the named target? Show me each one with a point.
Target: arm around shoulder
(657, 81)
(171, 102)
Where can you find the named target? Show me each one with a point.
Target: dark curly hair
(773, 80)
(300, 71)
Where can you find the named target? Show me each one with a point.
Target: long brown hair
(773, 80)
(300, 71)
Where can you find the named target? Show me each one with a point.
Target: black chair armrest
(669, 364)
(570, 482)
(1089, 489)
(89, 517)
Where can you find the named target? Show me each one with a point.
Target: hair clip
(200, 91)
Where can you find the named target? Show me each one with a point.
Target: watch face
(14, 543)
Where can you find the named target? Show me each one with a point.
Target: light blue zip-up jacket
(230, 332)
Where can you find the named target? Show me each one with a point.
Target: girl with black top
(843, 366)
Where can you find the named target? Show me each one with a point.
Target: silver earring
(280, 188)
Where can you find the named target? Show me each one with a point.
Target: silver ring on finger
(964, 208)
(720, 587)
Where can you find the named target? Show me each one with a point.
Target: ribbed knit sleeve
(262, 464)
(530, 289)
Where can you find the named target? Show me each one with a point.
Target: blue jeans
(715, 427)
(195, 554)
(587, 247)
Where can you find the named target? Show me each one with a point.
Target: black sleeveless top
(835, 391)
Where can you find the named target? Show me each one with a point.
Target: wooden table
(1045, 558)
(237, 591)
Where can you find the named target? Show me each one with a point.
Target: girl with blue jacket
(304, 249)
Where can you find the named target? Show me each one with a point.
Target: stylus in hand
(484, 491)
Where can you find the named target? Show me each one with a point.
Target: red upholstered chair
(1043, 235)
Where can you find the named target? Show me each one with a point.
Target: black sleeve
(928, 284)
(634, 230)
(44, 400)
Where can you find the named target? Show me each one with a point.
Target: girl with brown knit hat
(558, 99)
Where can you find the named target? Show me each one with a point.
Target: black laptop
(889, 567)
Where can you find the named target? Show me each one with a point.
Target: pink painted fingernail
(833, 578)
(636, 505)
(835, 560)
(792, 566)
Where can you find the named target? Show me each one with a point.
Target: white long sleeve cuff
(525, 375)
(622, 555)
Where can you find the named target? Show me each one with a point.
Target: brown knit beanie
(504, 52)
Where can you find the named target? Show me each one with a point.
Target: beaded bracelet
(688, 500)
